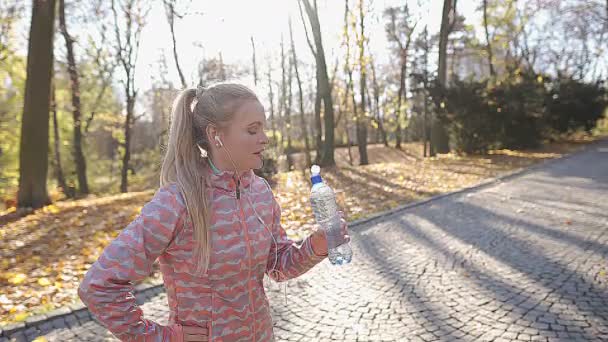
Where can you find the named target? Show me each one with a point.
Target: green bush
(506, 114)
(573, 105)
(472, 124)
(519, 102)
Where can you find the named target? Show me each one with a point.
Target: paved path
(522, 259)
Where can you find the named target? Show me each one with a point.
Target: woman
(214, 226)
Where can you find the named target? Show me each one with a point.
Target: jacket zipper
(249, 255)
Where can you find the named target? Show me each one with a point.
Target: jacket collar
(227, 180)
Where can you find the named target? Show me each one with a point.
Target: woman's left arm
(290, 260)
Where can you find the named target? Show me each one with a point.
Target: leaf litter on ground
(44, 255)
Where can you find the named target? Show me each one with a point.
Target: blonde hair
(193, 110)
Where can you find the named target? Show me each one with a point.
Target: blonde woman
(214, 226)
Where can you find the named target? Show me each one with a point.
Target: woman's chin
(258, 164)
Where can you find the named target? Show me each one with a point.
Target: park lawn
(44, 255)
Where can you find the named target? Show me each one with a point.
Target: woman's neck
(218, 166)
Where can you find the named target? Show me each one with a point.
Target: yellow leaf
(17, 279)
(21, 316)
(44, 282)
(52, 209)
(40, 339)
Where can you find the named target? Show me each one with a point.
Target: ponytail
(182, 165)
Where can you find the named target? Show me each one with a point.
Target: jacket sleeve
(290, 260)
(107, 287)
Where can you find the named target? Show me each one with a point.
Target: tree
(282, 99)
(158, 102)
(171, 15)
(439, 136)
(255, 67)
(285, 104)
(213, 70)
(421, 80)
(488, 40)
(57, 147)
(303, 129)
(9, 15)
(34, 144)
(323, 86)
(289, 150)
(127, 29)
(349, 86)
(103, 61)
(376, 92)
(362, 118)
(399, 29)
(79, 160)
(271, 100)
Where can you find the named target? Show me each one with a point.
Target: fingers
(344, 228)
(195, 334)
(347, 238)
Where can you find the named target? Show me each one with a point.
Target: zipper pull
(238, 190)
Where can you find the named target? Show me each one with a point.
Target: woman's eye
(252, 132)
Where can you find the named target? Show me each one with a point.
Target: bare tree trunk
(223, 77)
(324, 87)
(282, 97)
(395, 32)
(127, 45)
(105, 67)
(375, 132)
(170, 12)
(377, 102)
(439, 137)
(81, 166)
(398, 114)
(288, 131)
(57, 147)
(126, 158)
(361, 118)
(488, 41)
(350, 88)
(255, 68)
(271, 99)
(318, 99)
(425, 122)
(303, 128)
(34, 143)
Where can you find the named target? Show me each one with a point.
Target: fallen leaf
(44, 282)
(17, 279)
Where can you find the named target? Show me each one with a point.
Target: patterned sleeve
(291, 260)
(107, 287)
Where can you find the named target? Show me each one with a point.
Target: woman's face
(244, 138)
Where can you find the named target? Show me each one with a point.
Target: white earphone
(219, 141)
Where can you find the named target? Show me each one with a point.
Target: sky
(228, 25)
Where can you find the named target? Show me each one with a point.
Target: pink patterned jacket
(230, 300)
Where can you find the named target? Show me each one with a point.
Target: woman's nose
(264, 140)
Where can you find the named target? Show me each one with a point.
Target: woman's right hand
(195, 334)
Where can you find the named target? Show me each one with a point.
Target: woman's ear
(211, 132)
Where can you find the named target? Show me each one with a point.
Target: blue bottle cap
(315, 171)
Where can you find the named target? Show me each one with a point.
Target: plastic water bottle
(325, 209)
